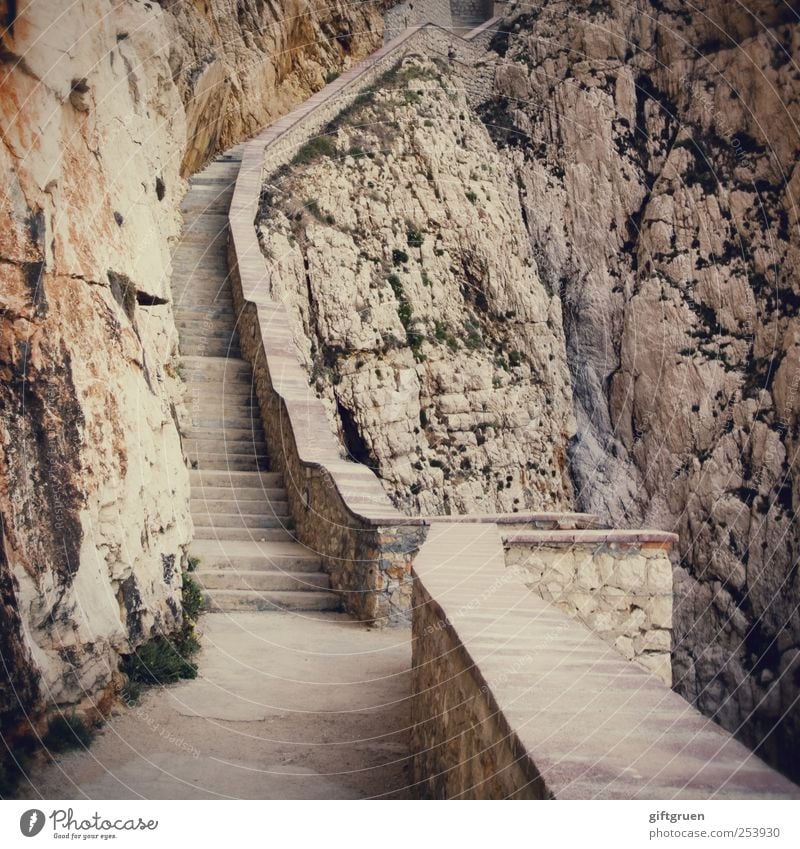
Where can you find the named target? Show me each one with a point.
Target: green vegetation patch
(165, 660)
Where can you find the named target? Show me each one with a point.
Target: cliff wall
(656, 149)
(104, 109)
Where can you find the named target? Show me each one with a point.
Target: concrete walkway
(286, 706)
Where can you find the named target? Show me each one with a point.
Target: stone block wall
(415, 12)
(339, 508)
(463, 746)
(618, 583)
(471, 11)
(513, 699)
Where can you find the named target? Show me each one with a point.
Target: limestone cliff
(656, 147)
(104, 108)
(397, 241)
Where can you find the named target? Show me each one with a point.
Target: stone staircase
(248, 557)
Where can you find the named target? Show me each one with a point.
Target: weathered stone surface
(100, 120)
(607, 587)
(401, 255)
(656, 147)
(512, 699)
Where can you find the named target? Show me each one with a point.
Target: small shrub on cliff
(313, 207)
(131, 693)
(397, 287)
(165, 660)
(65, 733)
(159, 661)
(192, 600)
(415, 238)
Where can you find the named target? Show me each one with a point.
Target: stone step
(216, 394)
(201, 322)
(218, 349)
(237, 464)
(261, 580)
(223, 418)
(252, 435)
(188, 327)
(206, 519)
(222, 443)
(225, 408)
(252, 556)
(198, 275)
(203, 256)
(227, 404)
(233, 376)
(253, 480)
(219, 397)
(208, 227)
(244, 462)
(243, 534)
(244, 493)
(235, 504)
(300, 600)
(203, 319)
(214, 332)
(202, 344)
(198, 285)
(220, 364)
(237, 384)
(212, 199)
(204, 312)
(221, 337)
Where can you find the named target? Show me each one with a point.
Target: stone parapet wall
(471, 11)
(340, 508)
(617, 583)
(513, 699)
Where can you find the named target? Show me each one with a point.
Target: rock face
(398, 243)
(656, 148)
(99, 121)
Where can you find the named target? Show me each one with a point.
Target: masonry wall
(471, 11)
(511, 698)
(415, 12)
(621, 590)
(463, 746)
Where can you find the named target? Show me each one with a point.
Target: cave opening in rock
(357, 449)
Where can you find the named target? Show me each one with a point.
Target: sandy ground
(285, 706)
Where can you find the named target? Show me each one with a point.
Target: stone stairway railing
(340, 508)
(510, 696)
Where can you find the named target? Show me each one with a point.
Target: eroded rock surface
(657, 152)
(104, 108)
(398, 243)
